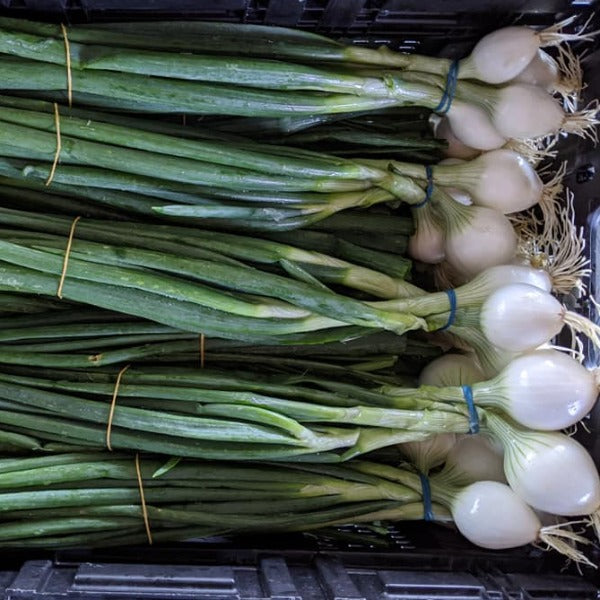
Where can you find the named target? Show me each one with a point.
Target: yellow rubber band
(69, 72)
(58, 145)
(63, 274)
(202, 350)
(113, 405)
(138, 471)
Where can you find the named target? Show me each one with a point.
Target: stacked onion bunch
(254, 290)
(504, 90)
(192, 174)
(134, 289)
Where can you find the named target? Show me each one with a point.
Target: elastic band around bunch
(452, 316)
(65, 265)
(138, 472)
(451, 80)
(428, 189)
(113, 404)
(427, 507)
(202, 350)
(58, 145)
(68, 63)
(467, 391)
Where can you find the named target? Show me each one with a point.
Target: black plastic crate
(414, 560)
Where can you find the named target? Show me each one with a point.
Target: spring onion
(527, 309)
(550, 471)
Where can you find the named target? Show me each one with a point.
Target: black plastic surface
(424, 25)
(273, 578)
(416, 561)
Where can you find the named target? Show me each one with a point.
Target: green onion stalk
(97, 193)
(355, 142)
(337, 258)
(407, 119)
(405, 131)
(305, 47)
(93, 499)
(83, 337)
(38, 141)
(212, 414)
(395, 135)
(380, 228)
(212, 178)
(152, 244)
(12, 305)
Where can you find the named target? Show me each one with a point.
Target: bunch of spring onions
(245, 415)
(402, 134)
(215, 284)
(278, 72)
(284, 416)
(261, 291)
(93, 499)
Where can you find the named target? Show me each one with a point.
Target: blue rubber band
(451, 80)
(473, 416)
(427, 508)
(452, 316)
(428, 189)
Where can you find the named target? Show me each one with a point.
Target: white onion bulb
(473, 127)
(552, 472)
(491, 515)
(542, 71)
(456, 148)
(488, 240)
(502, 275)
(544, 390)
(520, 317)
(501, 55)
(450, 370)
(476, 458)
(500, 179)
(427, 242)
(526, 111)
